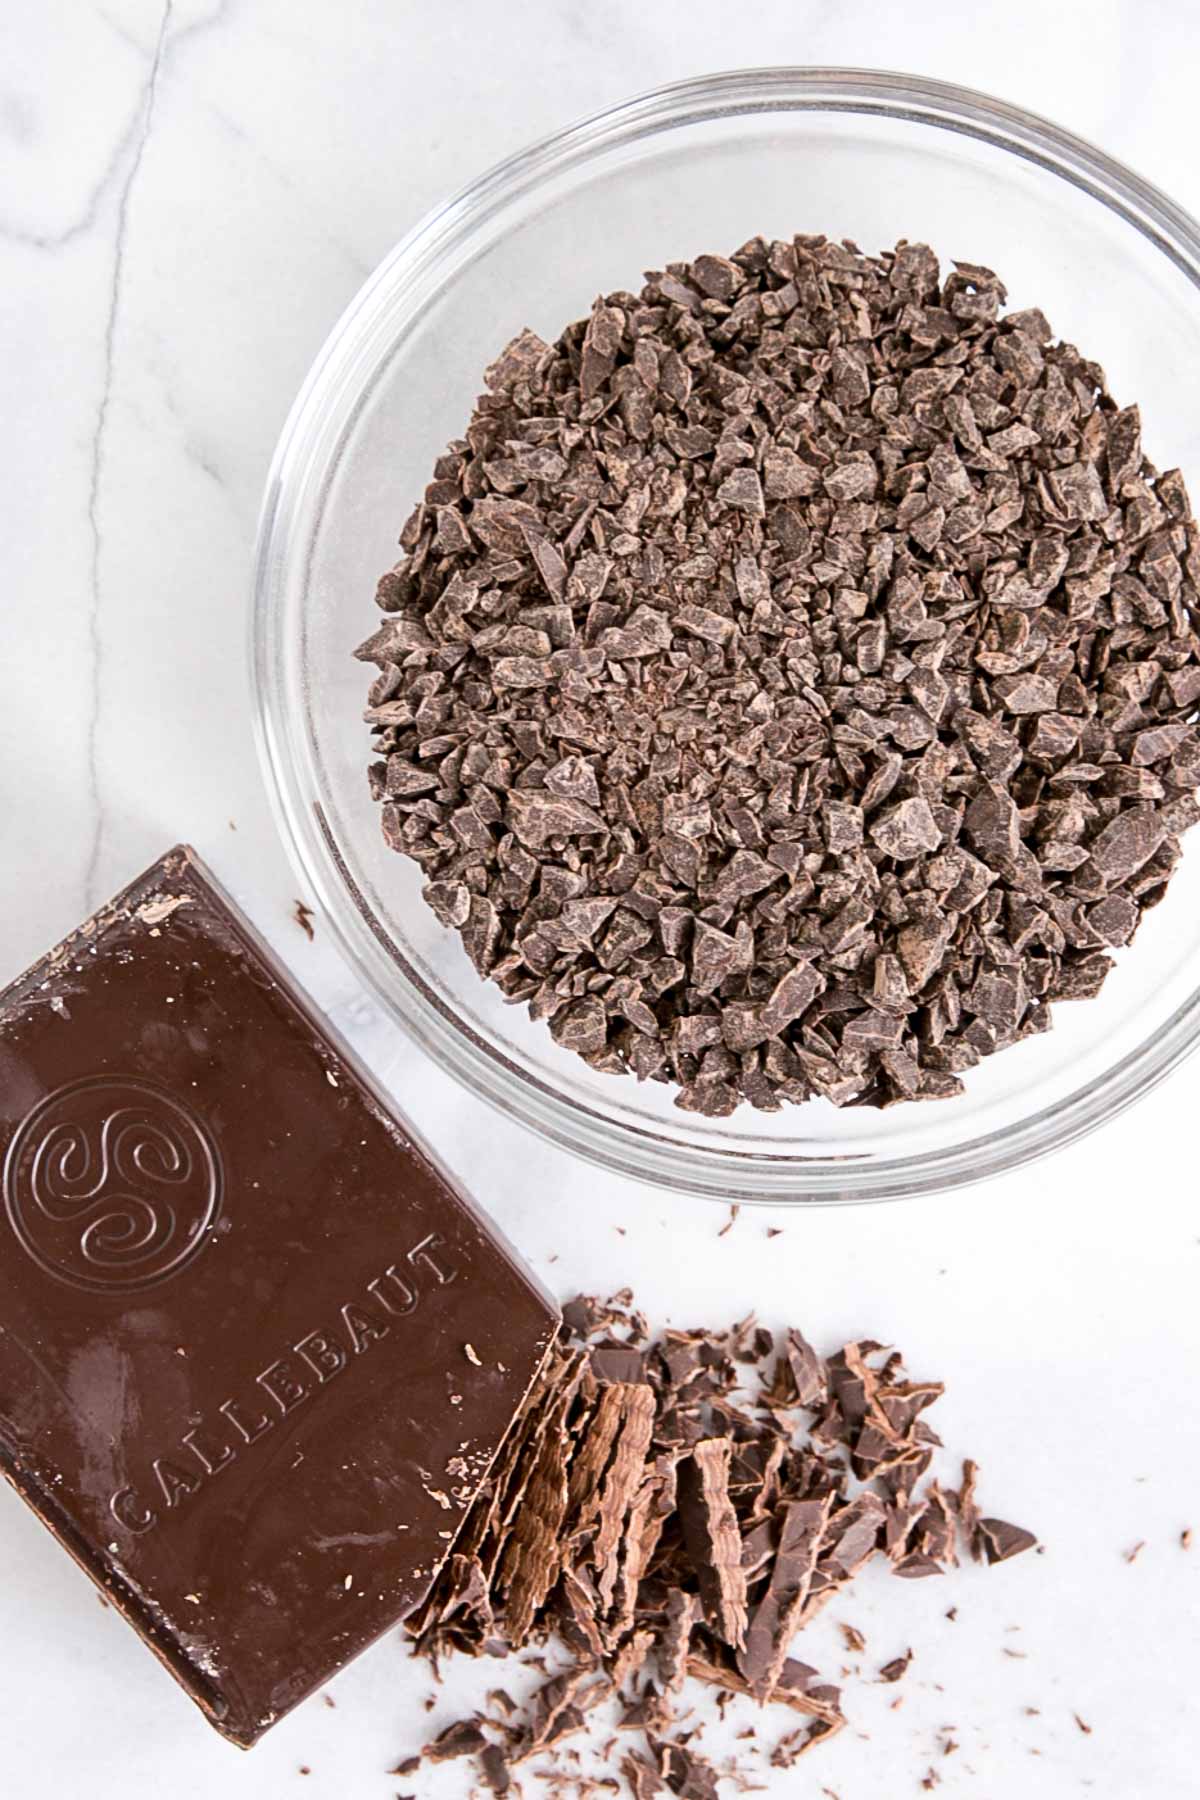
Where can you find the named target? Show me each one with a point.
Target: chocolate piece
(645, 1782)
(617, 1363)
(233, 1298)
(999, 1540)
(463, 1738)
(685, 1773)
(494, 1769)
(897, 1668)
(968, 1511)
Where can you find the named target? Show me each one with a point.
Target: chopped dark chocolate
(788, 688)
(699, 1525)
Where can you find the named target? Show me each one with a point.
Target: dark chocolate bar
(256, 1351)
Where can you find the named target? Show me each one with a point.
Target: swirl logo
(112, 1184)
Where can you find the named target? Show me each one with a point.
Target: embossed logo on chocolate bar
(112, 1184)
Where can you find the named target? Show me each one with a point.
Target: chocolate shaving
(621, 1484)
(682, 1615)
(773, 1623)
(710, 1531)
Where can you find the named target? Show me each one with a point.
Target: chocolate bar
(257, 1351)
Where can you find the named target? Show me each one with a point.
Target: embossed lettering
(253, 1432)
(362, 1326)
(423, 1253)
(210, 1458)
(283, 1384)
(325, 1358)
(397, 1297)
(323, 1355)
(174, 1481)
(129, 1511)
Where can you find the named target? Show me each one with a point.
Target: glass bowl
(702, 165)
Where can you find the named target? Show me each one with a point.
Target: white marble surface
(188, 197)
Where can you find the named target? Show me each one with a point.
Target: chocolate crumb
(1085, 1728)
(303, 916)
(1135, 1550)
(897, 1668)
(1185, 1538)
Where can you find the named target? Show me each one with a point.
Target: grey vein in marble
(95, 641)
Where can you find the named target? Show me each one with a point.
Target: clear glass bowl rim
(403, 277)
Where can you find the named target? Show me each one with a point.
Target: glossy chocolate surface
(256, 1352)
